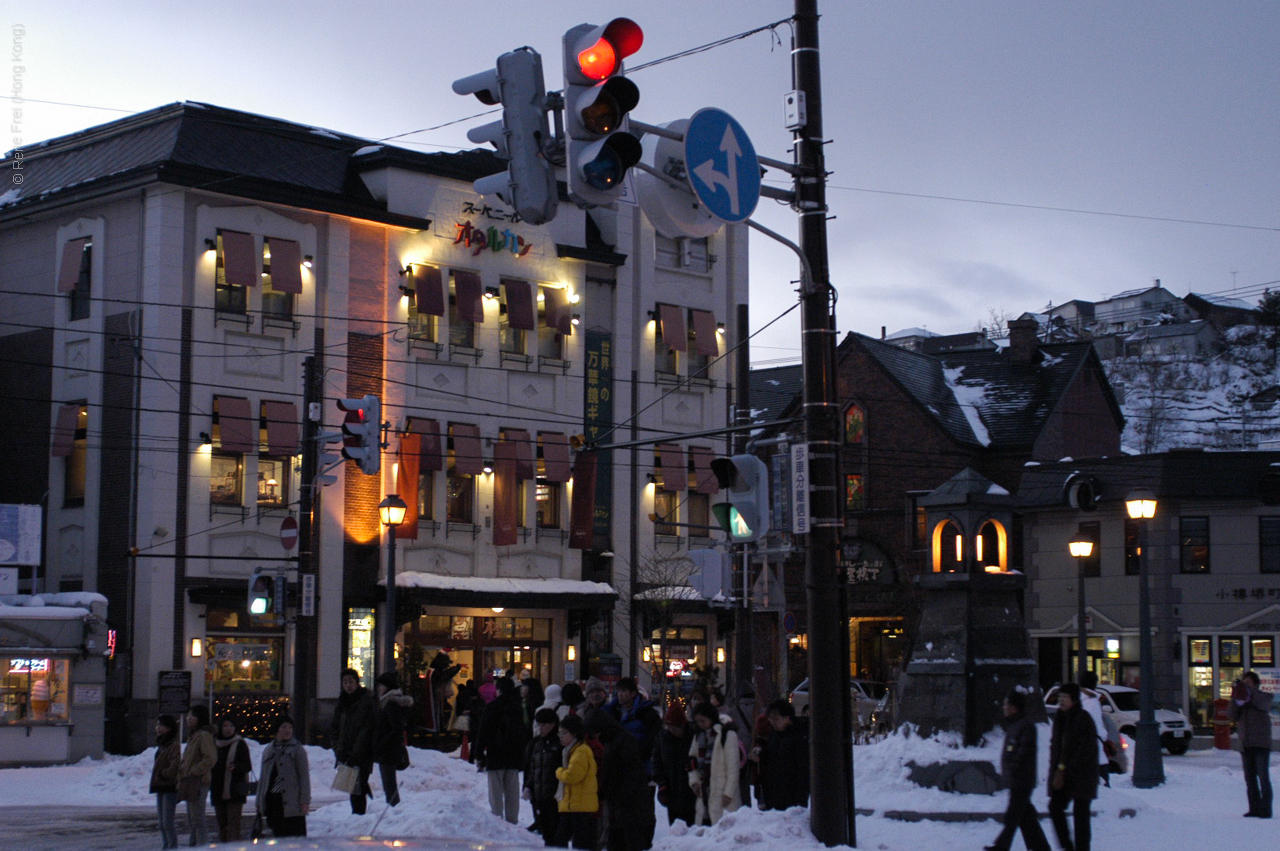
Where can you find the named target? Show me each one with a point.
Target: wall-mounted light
(206, 439)
(571, 653)
(574, 298)
(1113, 648)
(720, 655)
(650, 479)
(491, 293)
(653, 315)
(487, 468)
(497, 610)
(197, 648)
(210, 244)
(407, 270)
(406, 291)
(720, 328)
(308, 260)
(576, 319)
(647, 654)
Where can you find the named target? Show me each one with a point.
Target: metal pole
(1148, 762)
(304, 687)
(743, 661)
(831, 808)
(1081, 633)
(389, 636)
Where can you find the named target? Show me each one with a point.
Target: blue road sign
(723, 169)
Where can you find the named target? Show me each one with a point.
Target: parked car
(865, 694)
(1122, 704)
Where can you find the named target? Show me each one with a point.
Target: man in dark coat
(1073, 757)
(1018, 769)
(542, 757)
(354, 721)
(623, 786)
(671, 766)
(641, 720)
(784, 760)
(500, 747)
(389, 749)
(1250, 708)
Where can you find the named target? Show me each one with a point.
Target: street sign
(723, 168)
(308, 595)
(789, 623)
(289, 533)
(800, 488)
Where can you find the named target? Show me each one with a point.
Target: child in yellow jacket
(577, 795)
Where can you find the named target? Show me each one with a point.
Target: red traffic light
(601, 50)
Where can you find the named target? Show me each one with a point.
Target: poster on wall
(1270, 679)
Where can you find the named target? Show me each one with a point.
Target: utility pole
(743, 663)
(831, 808)
(307, 639)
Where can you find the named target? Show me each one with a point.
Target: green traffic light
(732, 523)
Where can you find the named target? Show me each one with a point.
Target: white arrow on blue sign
(722, 163)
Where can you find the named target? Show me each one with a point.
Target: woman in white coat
(716, 761)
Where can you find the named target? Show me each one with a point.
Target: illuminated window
(33, 690)
(1194, 535)
(854, 497)
(77, 460)
(666, 506)
(855, 425)
(235, 267)
(426, 495)
(550, 340)
(277, 302)
(948, 548)
(989, 548)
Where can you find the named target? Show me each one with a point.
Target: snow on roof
(996, 490)
(500, 585)
(1223, 301)
(66, 605)
(969, 397)
(368, 149)
(911, 332)
(669, 592)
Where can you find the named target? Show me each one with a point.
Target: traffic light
(262, 589)
(597, 98)
(528, 185)
(745, 479)
(363, 433)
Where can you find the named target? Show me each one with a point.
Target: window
(1132, 547)
(917, 521)
(81, 293)
(277, 301)
(855, 425)
(1194, 537)
(547, 501)
(277, 444)
(226, 479)
(666, 508)
(699, 515)
(235, 272)
(698, 360)
(517, 316)
(426, 495)
(1092, 565)
(33, 690)
(948, 548)
(460, 487)
(77, 459)
(550, 340)
(1269, 544)
(854, 497)
(422, 326)
(235, 434)
(465, 309)
(272, 481)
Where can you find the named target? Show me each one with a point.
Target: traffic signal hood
(363, 433)
(528, 185)
(745, 481)
(597, 98)
(262, 589)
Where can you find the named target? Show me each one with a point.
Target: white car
(864, 693)
(1122, 704)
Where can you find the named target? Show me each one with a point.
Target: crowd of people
(594, 766)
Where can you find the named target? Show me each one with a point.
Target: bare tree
(658, 583)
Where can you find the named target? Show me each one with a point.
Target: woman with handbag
(285, 776)
(1073, 769)
(352, 736)
(389, 749)
(229, 788)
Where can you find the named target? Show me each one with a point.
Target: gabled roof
(1179, 329)
(921, 376)
(773, 389)
(226, 151)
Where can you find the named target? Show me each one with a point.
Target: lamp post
(1148, 765)
(392, 509)
(1080, 550)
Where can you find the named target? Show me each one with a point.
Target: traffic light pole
(831, 807)
(743, 663)
(305, 667)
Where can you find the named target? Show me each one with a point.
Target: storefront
(1216, 659)
(53, 649)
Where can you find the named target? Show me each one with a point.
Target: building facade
(172, 283)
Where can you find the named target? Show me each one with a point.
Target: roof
(1222, 301)
(1180, 329)
(489, 591)
(227, 151)
(773, 389)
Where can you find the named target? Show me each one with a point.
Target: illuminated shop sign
(480, 238)
(28, 666)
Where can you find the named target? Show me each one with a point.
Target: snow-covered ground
(443, 796)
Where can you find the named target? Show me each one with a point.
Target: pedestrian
(443, 670)
(531, 697)
(1018, 770)
(623, 786)
(354, 722)
(229, 787)
(671, 766)
(500, 746)
(1250, 708)
(597, 696)
(552, 699)
(571, 700)
(716, 762)
(784, 759)
(285, 774)
(1073, 769)
(542, 758)
(640, 719)
(389, 748)
(164, 778)
(578, 791)
(197, 771)
(1092, 704)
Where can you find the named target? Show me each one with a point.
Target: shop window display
(33, 690)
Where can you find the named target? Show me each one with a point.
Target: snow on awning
(492, 591)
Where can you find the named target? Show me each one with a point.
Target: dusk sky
(985, 156)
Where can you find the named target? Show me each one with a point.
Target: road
(56, 828)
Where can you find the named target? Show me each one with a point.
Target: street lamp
(1148, 765)
(392, 509)
(1080, 550)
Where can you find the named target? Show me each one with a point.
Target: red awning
(72, 256)
(236, 426)
(64, 431)
(470, 295)
(468, 458)
(407, 484)
(282, 427)
(673, 333)
(675, 473)
(704, 331)
(239, 267)
(555, 455)
(705, 481)
(519, 438)
(556, 307)
(429, 432)
(428, 290)
(582, 505)
(521, 312)
(286, 266)
(506, 494)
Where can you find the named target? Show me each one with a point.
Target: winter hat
(551, 697)
(571, 694)
(390, 679)
(595, 683)
(675, 716)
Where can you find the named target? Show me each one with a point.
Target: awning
(286, 266)
(428, 290)
(673, 333)
(64, 431)
(555, 310)
(470, 295)
(282, 427)
(704, 332)
(468, 457)
(72, 257)
(237, 428)
(555, 456)
(705, 480)
(239, 267)
(523, 449)
(521, 312)
(429, 430)
(487, 592)
(675, 473)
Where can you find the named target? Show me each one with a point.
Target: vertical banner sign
(800, 489)
(505, 494)
(308, 595)
(279, 593)
(599, 419)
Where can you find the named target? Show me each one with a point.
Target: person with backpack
(500, 749)
(716, 759)
(541, 759)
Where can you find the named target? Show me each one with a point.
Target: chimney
(1023, 342)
